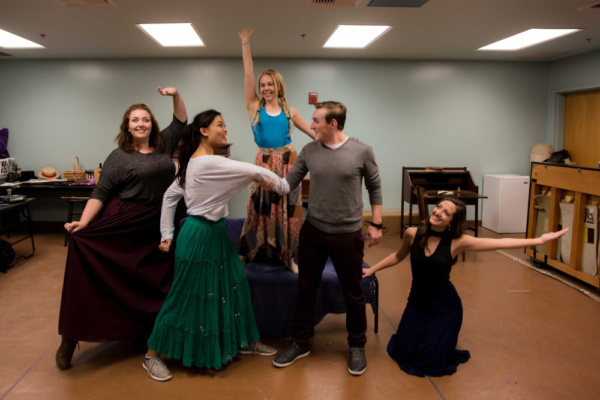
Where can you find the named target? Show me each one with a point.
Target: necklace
(436, 233)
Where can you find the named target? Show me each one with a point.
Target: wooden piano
(435, 179)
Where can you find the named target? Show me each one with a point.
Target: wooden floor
(530, 337)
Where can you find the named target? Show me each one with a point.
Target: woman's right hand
(74, 226)
(245, 34)
(164, 246)
(367, 272)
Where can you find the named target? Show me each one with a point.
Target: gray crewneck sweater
(335, 201)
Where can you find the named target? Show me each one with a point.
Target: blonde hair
(280, 87)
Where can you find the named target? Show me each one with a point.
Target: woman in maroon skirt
(116, 279)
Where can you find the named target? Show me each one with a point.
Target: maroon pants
(346, 253)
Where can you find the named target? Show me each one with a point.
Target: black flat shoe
(64, 354)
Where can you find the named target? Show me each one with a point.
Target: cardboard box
(391, 220)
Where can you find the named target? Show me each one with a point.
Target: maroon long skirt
(116, 279)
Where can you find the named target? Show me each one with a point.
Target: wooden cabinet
(559, 181)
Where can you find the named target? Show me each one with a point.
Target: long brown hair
(280, 86)
(125, 140)
(457, 224)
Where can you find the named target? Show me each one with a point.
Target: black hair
(191, 139)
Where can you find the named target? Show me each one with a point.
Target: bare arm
(396, 257)
(249, 88)
(470, 243)
(178, 105)
(92, 208)
(300, 123)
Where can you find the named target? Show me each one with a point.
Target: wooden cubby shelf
(558, 180)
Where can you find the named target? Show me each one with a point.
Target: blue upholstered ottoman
(273, 289)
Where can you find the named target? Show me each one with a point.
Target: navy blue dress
(425, 343)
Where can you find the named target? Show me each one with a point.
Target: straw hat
(48, 173)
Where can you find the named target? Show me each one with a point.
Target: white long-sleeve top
(210, 182)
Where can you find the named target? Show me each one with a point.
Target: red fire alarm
(313, 97)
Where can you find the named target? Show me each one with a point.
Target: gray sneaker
(357, 363)
(157, 369)
(258, 349)
(290, 354)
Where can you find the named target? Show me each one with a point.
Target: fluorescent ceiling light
(528, 38)
(355, 36)
(173, 35)
(11, 41)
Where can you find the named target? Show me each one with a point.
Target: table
(53, 189)
(468, 197)
(432, 178)
(22, 208)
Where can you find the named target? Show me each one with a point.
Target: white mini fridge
(505, 209)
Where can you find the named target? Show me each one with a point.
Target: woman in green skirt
(207, 318)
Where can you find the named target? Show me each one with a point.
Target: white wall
(483, 115)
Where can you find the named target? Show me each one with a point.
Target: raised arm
(300, 123)
(178, 105)
(470, 243)
(396, 257)
(252, 99)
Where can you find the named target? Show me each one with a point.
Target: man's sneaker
(258, 349)
(290, 354)
(157, 369)
(357, 363)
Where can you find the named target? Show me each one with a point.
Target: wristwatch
(378, 226)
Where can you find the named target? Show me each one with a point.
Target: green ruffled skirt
(208, 313)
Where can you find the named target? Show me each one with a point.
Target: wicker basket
(76, 174)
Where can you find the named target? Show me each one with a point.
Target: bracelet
(378, 226)
(245, 43)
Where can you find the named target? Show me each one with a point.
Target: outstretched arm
(92, 208)
(178, 104)
(249, 88)
(300, 123)
(470, 243)
(396, 257)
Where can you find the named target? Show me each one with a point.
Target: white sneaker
(157, 369)
(258, 349)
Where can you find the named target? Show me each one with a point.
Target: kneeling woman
(207, 317)
(425, 343)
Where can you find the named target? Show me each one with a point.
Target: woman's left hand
(550, 236)
(165, 245)
(267, 184)
(170, 91)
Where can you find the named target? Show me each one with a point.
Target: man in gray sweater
(337, 165)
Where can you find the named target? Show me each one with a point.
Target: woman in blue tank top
(273, 223)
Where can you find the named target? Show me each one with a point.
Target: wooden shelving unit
(559, 179)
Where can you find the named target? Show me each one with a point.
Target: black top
(140, 177)
(436, 267)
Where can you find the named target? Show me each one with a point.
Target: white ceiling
(439, 30)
